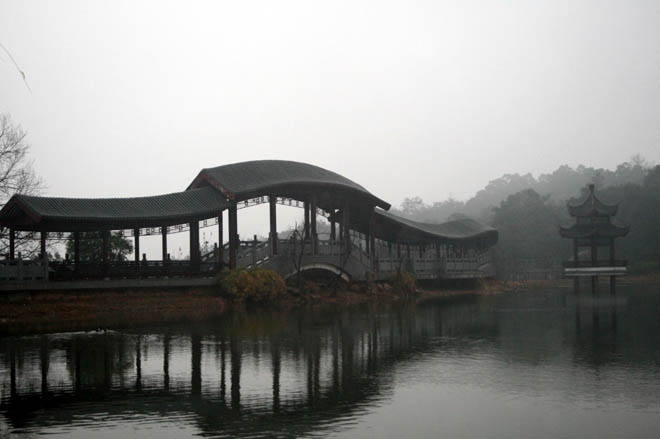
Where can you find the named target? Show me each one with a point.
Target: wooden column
(333, 231)
(106, 248)
(76, 250)
(194, 244)
(221, 239)
(306, 224)
(136, 237)
(163, 232)
(312, 212)
(233, 232)
(254, 251)
(272, 202)
(372, 239)
(12, 244)
(345, 225)
(43, 236)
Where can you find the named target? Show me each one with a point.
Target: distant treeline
(527, 211)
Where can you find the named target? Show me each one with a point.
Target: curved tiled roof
(209, 194)
(595, 230)
(239, 181)
(118, 212)
(460, 229)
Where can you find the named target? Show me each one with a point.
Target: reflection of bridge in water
(365, 241)
(318, 375)
(305, 372)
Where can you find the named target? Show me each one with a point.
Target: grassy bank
(33, 313)
(83, 311)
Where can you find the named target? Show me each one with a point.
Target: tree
(412, 206)
(528, 226)
(16, 177)
(91, 247)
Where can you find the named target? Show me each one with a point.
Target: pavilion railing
(599, 263)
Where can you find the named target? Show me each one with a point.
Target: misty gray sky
(426, 98)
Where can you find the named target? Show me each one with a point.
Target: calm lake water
(534, 364)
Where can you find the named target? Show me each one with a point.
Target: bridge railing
(425, 264)
(65, 270)
(23, 270)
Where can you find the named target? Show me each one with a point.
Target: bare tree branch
(16, 177)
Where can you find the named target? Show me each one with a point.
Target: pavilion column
(594, 258)
(194, 244)
(233, 234)
(312, 209)
(43, 236)
(272, 203)
(221, 239)
(12, 244)
(612, 264)
(576, 255)
(163, 232)
(76, 250)
(136, 237)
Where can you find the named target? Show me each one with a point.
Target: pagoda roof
(591, 205)
(594, 230)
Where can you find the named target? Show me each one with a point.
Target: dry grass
(55, 312)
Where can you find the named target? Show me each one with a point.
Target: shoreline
(69, 311)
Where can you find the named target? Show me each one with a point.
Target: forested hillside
(527, 211)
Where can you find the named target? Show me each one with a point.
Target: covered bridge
(360, 227)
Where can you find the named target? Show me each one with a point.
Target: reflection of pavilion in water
(319, 370)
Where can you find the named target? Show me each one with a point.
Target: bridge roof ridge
(248, 179)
